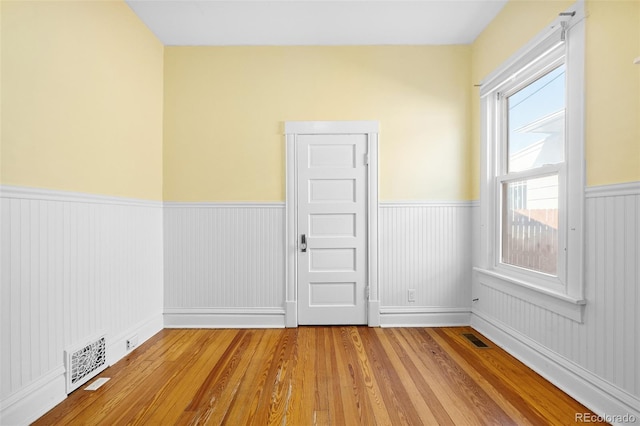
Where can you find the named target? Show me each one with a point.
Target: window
(533, 184)
(531, 165)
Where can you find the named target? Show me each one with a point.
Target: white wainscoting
(425, 246)
(597, 361)
(224, 264)
(72, 265)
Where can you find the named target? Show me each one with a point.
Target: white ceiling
(315, 22)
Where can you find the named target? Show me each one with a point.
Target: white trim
(224, 318)
(330, 127)
(373, 231)
(291, 236)
(614, 190)
(293, 128)
(581, 384)
(224, 204)
(575, 166)
(559, 303)
(28, 193)
(424, 316)
(427, 203)
(34, 400)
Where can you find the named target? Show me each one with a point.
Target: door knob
(303, 243)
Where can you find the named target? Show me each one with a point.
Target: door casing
(292, 129)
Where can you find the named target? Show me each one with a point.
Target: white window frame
(561, 42)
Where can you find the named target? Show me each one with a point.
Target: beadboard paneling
(607, 343)
(426, 247)
(224, 256)
(72, 265)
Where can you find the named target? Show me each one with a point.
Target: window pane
(536, 123)
(530, 224)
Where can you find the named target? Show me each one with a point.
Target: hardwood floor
(318, 375)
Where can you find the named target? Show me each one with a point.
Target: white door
(332, 228)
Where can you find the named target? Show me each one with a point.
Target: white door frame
(292, 129)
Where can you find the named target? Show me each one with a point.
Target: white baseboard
(144, 330)
(600, 396)
(401, 316)
(34, 400)
(224, 318)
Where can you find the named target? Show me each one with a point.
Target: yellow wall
(81, 98)
(612, 145)
(1, 91)
(613, 92)
(82, 89)
(225, 108)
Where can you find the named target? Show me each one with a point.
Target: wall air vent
(85, 362)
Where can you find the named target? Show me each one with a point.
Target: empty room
(319, 212)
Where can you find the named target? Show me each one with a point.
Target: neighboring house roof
(548, 149)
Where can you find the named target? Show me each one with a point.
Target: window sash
(549, 60)
(547, 169)
(501, 118)
(556, 282)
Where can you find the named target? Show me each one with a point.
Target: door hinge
(366, 159)
(366, 292)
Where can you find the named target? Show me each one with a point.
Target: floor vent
(474, 339)
(84, 363)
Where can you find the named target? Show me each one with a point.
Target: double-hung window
(532, 171)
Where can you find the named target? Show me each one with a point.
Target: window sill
(561, 304)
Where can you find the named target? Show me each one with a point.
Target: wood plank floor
(318, 375)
